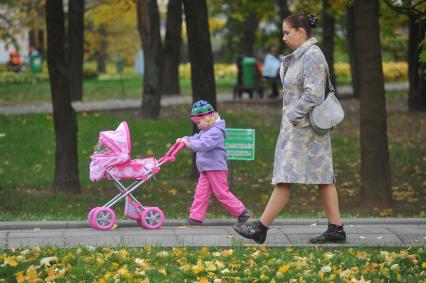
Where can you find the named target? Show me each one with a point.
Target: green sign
(240, 144)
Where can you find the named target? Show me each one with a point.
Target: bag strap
(329, 84)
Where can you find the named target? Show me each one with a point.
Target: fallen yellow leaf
(362, 280)
(32, 274)
(123, 253)
(395, 268)
(219, 264)
(228, 252)
(47, 261)
(210, 266)
(163, 254)
(10, 261)
(51, 274)
(284, 268)
(20, 277)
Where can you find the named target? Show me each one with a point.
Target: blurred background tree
(250, 26)
(415, 10)
(111, 32)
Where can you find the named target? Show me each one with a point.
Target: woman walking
(301, 155)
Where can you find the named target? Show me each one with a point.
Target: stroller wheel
(139, 220)
(103, 218)
(90, 216)
(152, 218)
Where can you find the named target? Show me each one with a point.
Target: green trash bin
(35, 62)
(119, 65)
(249, 72)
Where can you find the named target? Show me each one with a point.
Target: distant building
(17, 36)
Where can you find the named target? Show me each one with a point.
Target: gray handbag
(326, 116)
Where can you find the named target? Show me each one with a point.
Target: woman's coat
(301, 156)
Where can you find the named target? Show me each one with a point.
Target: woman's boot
(333, 234)
(255, 231)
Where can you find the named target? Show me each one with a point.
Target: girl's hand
(184, 141)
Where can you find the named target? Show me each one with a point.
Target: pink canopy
(117, 141)
(113, 148)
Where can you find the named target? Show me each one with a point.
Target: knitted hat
(201, 109)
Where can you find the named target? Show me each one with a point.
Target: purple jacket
(209, 144)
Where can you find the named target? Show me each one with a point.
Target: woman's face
(293, 37)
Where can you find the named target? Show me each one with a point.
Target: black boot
(333, 234)
(255, 231)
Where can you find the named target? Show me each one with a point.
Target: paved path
(86, 106)
(390, 232)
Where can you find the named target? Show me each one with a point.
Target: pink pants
(216, 182)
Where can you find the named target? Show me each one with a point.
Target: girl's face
(203, 123)
(293, 37)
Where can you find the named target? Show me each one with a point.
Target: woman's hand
(293, 118)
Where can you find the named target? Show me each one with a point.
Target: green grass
(27, 149)
(95, 89)
(238, 264)
(99, 89)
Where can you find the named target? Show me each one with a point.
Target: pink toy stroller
(111, 160)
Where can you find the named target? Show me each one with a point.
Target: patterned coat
(301, 156)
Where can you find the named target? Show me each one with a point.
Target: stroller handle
(170, 156)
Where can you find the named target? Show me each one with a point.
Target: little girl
(209, 145)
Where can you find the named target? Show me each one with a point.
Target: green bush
(23, 77)
(90, 72)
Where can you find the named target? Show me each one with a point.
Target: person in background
(15, 61)
(271, 67)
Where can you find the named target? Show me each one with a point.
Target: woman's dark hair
(302, 21)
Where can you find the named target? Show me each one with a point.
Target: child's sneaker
(244, 216)
(192, 222)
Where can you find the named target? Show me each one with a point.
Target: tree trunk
(249, 34)
(416, 68)
(32, 38)
(41, 45)
(350, 38)
(284, 13)
(172, 46)
(375, 167)
(66, 177)
(200, 56)
(75, 48)
(149, 31)
(200, 51)
(328, 38)
(103, 45)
